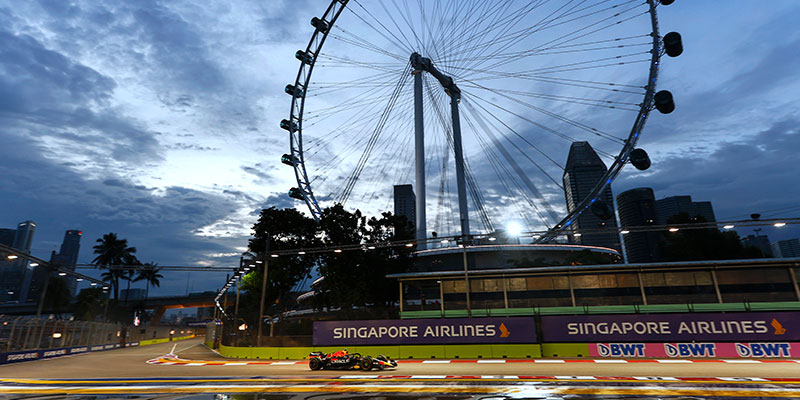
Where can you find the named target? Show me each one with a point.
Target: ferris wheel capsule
(673, 45)
(640, 159)
(664, 102)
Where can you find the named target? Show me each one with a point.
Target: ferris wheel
(496, 90)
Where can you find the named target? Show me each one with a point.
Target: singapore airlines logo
(504, 332)
(779, 329)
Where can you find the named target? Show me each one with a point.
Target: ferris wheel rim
(335, 9)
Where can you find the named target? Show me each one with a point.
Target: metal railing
(28, 333)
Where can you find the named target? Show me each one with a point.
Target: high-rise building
(24, 236)
(16, 275)
(583, 171)
(405, 202)
(7, 236)
(637, 207)
(67, 256)
(786, 248)
(758, 241)
(674, 205)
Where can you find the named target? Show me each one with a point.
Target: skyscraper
(758, 241)
(7, 236)
(637, 207)
(405, 202)
(16, 275)
(674, 205)
(786, 248)
(68, 255)
(583, 171)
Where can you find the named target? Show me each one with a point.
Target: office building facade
(637, 207)
(674, 205)
(583, 171)
(67, 256)
(405, 202)
(16, 275)
(786, 248)
(758, 241)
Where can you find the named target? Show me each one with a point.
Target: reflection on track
(417, 387)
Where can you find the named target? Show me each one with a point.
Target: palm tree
(150, 274)
(112, 251)
(128, 273)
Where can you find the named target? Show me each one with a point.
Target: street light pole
(263, 294)
(236, 309)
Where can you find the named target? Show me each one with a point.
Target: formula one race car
(344, 360)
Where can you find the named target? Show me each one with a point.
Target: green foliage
(353, 278)
(112, 251)
(357, 278)
(283, 229)
(89, 304)
(150, 274)
(703, 244)
(57, 298)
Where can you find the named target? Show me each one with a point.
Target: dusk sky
(159, 121)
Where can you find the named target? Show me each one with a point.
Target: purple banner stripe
(714, 327)
(425, 331)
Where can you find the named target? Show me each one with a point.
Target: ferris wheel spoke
(489, 22)
(505, 36)
(504, 175)
(363, 43)
(511, 40)
(582, 126)
(473, 19)
(511, 161)
(379, 128)
(594, 102)
(393, 39)
(524, 139)
(558, 50)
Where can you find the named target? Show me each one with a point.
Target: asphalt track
(127, 371)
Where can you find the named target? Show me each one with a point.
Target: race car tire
(366, 363)
(315, 364)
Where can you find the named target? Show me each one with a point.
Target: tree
(150, 274)
(128, 274)
(702, 244)
(358, 278)
(284, 229)
(89, 304)
(112, 252)
(58, 296)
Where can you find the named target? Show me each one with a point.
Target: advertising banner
(696, 350)
(425, 331)
(711, 327)
(29, 355)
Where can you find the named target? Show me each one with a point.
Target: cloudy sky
(158, 120)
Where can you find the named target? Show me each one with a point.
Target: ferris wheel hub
(420, 63)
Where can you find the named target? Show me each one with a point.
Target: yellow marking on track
(385, 379)
(760, 393)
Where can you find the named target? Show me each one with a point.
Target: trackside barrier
(30, 355)
(164, 340)
(565, 350)
(399, 352)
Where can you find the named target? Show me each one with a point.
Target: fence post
(716, 284)
(641, 287)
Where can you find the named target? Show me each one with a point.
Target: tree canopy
(702, 244)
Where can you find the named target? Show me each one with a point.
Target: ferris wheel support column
(460, 182)
(419, 149)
